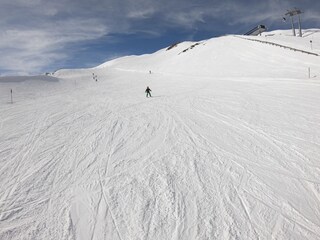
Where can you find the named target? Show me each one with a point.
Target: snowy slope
(227, 147)
(231, 56)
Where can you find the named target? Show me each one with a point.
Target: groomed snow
(228, 147)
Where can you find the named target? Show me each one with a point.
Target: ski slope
(228, 147)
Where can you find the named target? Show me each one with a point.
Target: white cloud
(186, 19)
(31, 50)
(140, 14)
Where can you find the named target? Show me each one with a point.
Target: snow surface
(228, 147)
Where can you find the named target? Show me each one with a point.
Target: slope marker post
(11, 96)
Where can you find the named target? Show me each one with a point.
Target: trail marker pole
(309, 72)
(11, 96)
(311, 44)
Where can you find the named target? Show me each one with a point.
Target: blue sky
(40, 36)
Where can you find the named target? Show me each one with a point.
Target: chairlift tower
(292, 13)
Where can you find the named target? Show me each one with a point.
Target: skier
(148, 90)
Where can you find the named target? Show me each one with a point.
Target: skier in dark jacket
(148, 90)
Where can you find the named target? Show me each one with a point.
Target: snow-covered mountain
(228, 147)
(232, 56)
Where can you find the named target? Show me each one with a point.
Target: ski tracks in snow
(280, 152)
(205, 163)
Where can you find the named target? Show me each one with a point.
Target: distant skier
(95, 77)
(148, 90)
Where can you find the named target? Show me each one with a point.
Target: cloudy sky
(40, 36)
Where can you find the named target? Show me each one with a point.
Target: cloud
(140, 14)
(33, 48)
